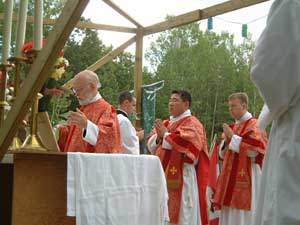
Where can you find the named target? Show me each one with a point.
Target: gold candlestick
(33, 141)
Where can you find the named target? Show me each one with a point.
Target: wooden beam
(41, 70)
(81, 24)
(138, 74)
(197, 15)
(174, 22)
(122, 12)
(109, 56)
(228, 7)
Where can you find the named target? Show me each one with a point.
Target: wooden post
(41, 70)
(138, 74)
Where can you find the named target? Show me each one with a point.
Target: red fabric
(214, 222)
(188, 141)
(213, 174)
(234, 184)
(213, 166)
(104, 116)
(202, 178)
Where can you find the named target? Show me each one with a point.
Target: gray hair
(93, 77)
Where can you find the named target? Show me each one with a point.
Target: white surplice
(130, 141)
(116, 189)
(276, 72)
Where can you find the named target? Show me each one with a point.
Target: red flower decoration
(29, 45)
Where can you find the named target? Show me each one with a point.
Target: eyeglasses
(174, 100)
(77, 89)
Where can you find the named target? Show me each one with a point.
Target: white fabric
(116, 189)
(130, 141)
(91, 133)
(151, 144)
(276, 72)
(264, 118)
(165, 143)
(235, 143)
(92, 130)
(190, 209)
(231, 216)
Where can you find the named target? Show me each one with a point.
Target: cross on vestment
(242, 173)
(173, 170)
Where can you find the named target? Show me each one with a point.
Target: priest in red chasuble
(243, 149)
(94, 127)
(180, 143)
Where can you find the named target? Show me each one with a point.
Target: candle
(7, 30)
(38, 25)
(21, 27)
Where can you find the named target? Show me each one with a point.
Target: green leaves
(208, 65)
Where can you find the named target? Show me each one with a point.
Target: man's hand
(160, 128)
(140, 134)
(227, 131)
(78, 118)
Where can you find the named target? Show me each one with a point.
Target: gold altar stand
(39, 192)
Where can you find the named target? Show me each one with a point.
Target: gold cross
(242, 173)
(173, 170)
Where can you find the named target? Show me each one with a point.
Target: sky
(150, 12)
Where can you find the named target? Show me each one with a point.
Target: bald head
(85, 86)
(88, 76)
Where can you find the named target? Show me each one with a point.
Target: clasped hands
(78, 118)
(160, 128)
(228, 132)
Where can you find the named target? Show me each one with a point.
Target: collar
(185, 114)
(120, 111)
(94, 99)
(245, 117)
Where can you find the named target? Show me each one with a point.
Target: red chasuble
(234, 183)
(188, 141)
(104, 116)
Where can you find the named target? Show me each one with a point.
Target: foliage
(209, 66)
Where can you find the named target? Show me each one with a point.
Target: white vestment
(130, 141)
(276, 72)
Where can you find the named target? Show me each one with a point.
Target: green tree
(209, 66)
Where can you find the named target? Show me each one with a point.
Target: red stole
(234, 188)
(188, 141)
(104, 116)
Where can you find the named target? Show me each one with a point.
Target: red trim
(202, 178)
(253, 142)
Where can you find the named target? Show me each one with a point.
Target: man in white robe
(130, 137)
(276, 72)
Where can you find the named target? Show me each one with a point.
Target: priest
(180, 143)
(243, 149)
(94, 126)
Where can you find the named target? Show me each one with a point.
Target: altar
(34, 187)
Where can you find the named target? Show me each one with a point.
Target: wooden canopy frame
(64, 25)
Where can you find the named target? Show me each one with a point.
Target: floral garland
(59, 66)
(52, 85)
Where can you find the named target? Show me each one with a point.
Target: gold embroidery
(173, 170)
